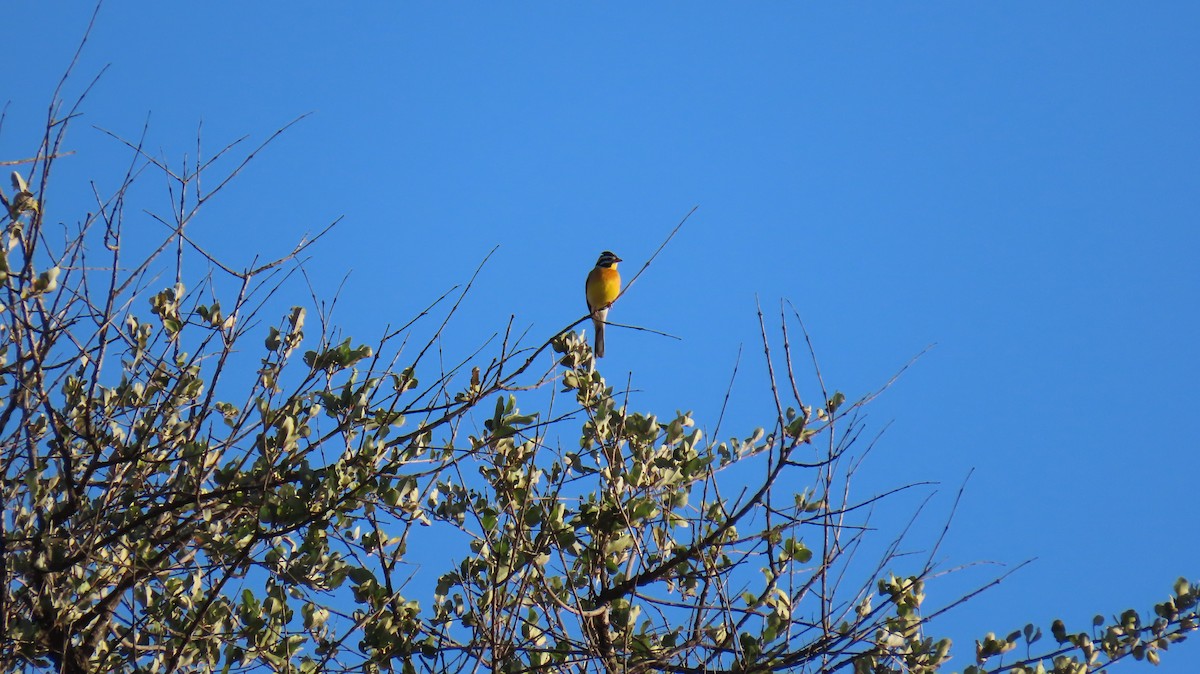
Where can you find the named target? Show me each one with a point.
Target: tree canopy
(194, 483)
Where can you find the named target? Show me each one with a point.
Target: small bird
(603, 286)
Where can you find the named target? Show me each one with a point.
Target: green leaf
(835, 401)
(360, 575)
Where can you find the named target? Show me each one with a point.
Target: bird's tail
(598, 323)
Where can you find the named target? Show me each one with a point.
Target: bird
(603, 286)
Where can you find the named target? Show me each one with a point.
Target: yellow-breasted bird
(603, 286)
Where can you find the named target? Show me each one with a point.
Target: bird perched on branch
(603, 286)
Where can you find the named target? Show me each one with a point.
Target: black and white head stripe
(607, 259)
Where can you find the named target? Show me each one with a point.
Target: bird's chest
(603, 287)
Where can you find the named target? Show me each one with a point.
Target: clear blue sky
(1018, 182)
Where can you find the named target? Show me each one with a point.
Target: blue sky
(1016, 182)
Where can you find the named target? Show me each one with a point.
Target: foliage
(188, 489)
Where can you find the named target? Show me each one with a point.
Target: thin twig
(728, 390)
(661, 246)
(34, 160)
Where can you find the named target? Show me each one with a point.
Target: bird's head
(608, 259)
